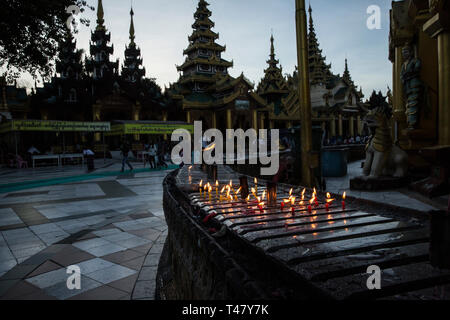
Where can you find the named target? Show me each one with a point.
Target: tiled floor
(107, 227)
(400, 197)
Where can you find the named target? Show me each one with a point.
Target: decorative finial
(132, 31)
(100, 15)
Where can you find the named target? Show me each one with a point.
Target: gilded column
(359, 124)
(304, 93)
(352, 126)
(438, 27)
(255, 120)
(333, 127)
(340, 126)
(188, 116)
(261, 123)
(444, 87)
(229, 121)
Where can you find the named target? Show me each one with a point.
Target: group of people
(346, 140)
(156, 154)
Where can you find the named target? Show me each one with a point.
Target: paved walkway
(112, 227)
(401, 197)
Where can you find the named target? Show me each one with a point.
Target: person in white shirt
(33, 150)
(89, 155)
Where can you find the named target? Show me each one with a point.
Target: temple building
(336, 102)
(95, 89)
(206, 91)
(14, 101)
(419, 49)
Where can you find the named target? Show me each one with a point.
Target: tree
(30, 31)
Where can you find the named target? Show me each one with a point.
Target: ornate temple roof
(132, 70)
(318, 69)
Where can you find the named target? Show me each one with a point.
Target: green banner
(56, 126)
(142, 128)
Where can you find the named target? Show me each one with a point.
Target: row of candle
(207, 188)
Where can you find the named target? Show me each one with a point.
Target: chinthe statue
(412, 86)
(383, 157)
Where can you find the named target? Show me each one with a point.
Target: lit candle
(328, 201)
(260, 206)
(200, 187)
(217, 188)
(343, 200)
(256, 186)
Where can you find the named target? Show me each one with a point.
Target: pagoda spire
(204, 54)
(132, 32)
(100, 15)
(272, 62)
(319, 71)
(346, 76)
(273, 85)
(132, 70)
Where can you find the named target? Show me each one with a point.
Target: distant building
(95, 89)
(336, 102)
(205, 91)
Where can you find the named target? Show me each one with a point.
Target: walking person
(125, 149)
(89, 155)
(151, 157)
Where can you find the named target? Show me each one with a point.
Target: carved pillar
(188, 116)
(333, 127)
(255, 119)
(352, 126)
(261, 123)
(340, 126)
(438, 27)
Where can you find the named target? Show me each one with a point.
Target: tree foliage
(30, 31)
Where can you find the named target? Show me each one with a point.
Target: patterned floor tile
(111, 274)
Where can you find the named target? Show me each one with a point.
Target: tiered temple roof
(100, 65)
(319, 70)
(273, 87)
(132, 70)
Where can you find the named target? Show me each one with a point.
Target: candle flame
(256, 181)
(217, 183)
(264, 194)
(231, 183)
(248, 198)
(293, 201)
(329, 200)
(238, 190)
(304, 191)
(290, 192)
(201, 183)
(344, 195)
(210, 147)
